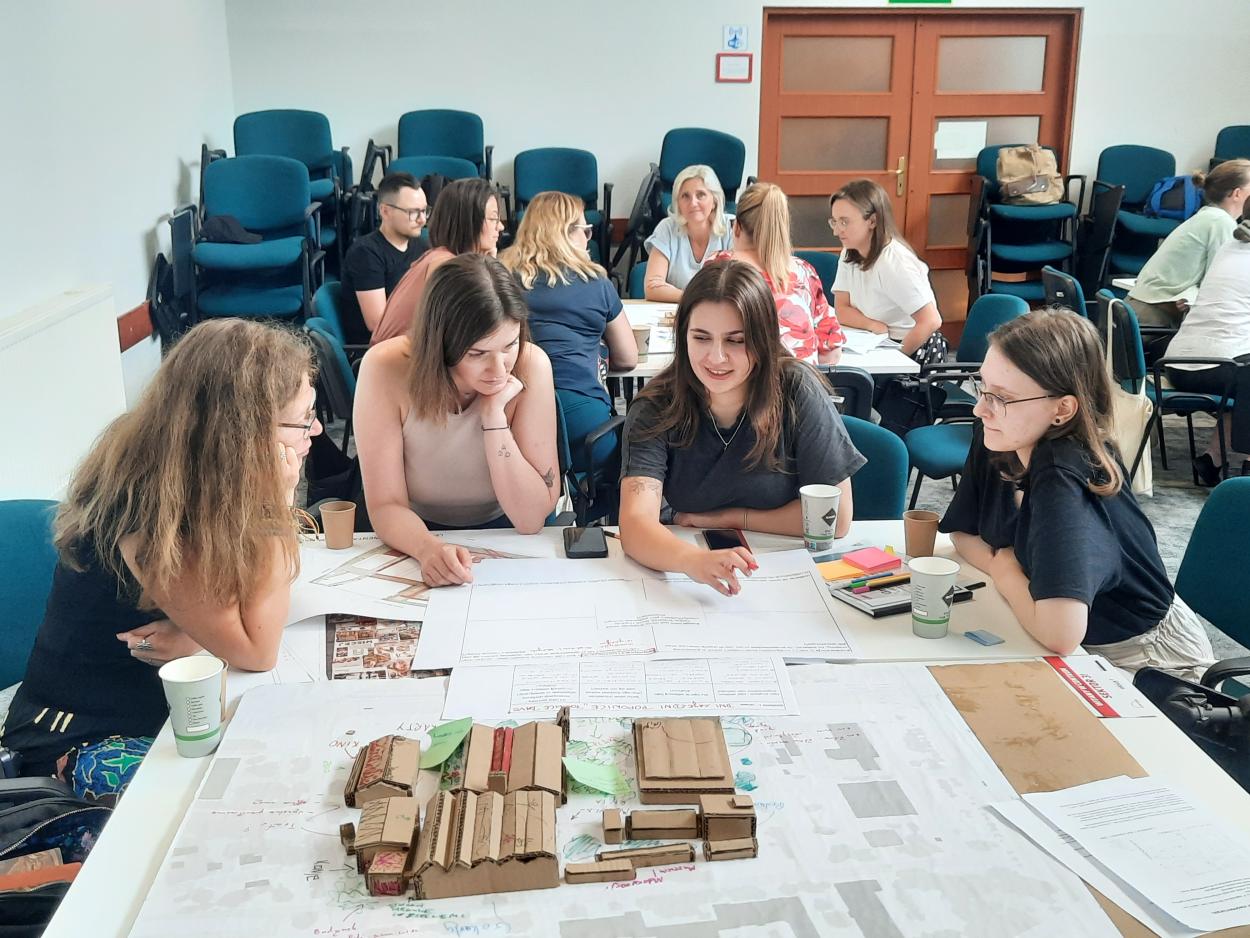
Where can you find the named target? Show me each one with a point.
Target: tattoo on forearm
(643, 486)
(505, 452)
(550, 477)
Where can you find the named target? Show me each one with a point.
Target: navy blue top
(568, 322)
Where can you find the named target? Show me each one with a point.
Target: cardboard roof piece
(672, 824)
(606, 872)
(726, 817)
(679, 759)
(474, 843)
(1041, 736)
(386, 824)
(386, 768)
(613, 825)
(506, 759)
(741, 849)
(660, 855)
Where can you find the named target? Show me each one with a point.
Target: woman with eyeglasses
(175, 536)
(574, 309)
(465, 220)
(695, 231)
(376, 262)
(881, 284)
(1044, 508)
(456, 421)
(727, 433)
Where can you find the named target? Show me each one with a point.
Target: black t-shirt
(1070, 543)
(373, 263)
(707, 475)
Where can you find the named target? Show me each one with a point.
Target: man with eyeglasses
(379, 260)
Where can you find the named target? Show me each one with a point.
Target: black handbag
(907, 403)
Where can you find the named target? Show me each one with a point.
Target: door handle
(900, 177)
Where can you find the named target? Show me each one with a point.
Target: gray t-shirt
(707, 475)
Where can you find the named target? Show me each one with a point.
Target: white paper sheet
(959, 139)
(860, 341)
(522, 610)
(1076, 858)
(1106, 690)
(1160, 842)
(627, 687)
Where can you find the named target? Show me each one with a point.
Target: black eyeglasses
(306, 427)
(412, 213)
(998, 405)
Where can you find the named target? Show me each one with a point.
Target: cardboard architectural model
(675, 824)
(679, 759)
(661, 855)
(606, 871)
(726, 817)
(386, 768)
(613, 825)
(383, 844)
(506, 759)
(473, 843)
(743, 849)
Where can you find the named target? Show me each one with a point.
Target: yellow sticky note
(838, 570)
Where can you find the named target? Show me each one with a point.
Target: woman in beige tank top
(455, 421)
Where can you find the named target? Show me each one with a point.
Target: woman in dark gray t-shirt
(728, 433)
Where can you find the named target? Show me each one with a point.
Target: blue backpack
(1175, 197)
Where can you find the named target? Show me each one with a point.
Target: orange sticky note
(838, 570)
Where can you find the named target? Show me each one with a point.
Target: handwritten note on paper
(591, 686)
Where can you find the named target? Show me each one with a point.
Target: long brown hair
(459, 214)
(680, 397)
(1062, 352)
(872, 202)
(542, 242)
(764, 214)
(192, 470)
(467, 298)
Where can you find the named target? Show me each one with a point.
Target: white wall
(104, 108)
(612, 78)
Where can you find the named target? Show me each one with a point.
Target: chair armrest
(950, 371)
(490, 159)
(1223, 670)
(605, 238)
(1067, 187)
(506, 194)
(593, 437)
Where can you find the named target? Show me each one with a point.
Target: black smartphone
(580, 543)
(723, 538)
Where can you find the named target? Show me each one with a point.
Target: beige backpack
(1029, 175)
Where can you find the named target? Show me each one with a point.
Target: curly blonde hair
(191, 471)
(542, 242)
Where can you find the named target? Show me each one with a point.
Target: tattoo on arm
(642, 486)
(505, 452)
(550, 477)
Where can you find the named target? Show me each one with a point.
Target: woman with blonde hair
(456, 421)
(695, 231)
(175, 536)
(1042, 505)
(761, 229)
(573, 310)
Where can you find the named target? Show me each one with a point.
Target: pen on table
(612, 534)
(867, 577)
(883, 583)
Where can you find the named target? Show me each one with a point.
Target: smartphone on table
(581, 543)
(723, 538)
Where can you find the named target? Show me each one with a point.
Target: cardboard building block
(726, 817)
(506, 759)
(679, 759)
(613, 826)
(742, 849)
(676, 824)
(386, 875)
(385, 824)
(473, 843)
(661, 855)
(386, 768)
(606, 872)
(347, 837)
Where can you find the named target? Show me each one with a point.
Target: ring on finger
(144, 645)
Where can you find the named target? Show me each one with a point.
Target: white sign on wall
(736, 39)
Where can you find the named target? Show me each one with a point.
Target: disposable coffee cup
(195, 688)
(338, 520)
(932, 592)
(820, 515)
(920, 529)
(642, 336)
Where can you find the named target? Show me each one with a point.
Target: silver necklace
(725, 442)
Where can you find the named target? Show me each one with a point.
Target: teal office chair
(880, 486)
(446, 133)
(336, 381)
(1232, 143)
(1137, 169)
(988, 312)
(574, 172)
(274, 278)
(327, 305)
(826, 264)
(852, 389)
(27, 560)
(452, 167)
(688, 146)
(638, 281)
(1062, 289)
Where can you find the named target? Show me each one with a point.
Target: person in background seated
(465, 220)
(175, 536)
(1044, 508)
(456, 421)
(1216, 326)
(696, 230)
(728, 432)
(761, 230)
(573, 309)
(881, 284)
(1169, 282)
(375, 263)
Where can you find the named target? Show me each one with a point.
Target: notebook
(894, 600)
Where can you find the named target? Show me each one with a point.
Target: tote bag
(1130, 417)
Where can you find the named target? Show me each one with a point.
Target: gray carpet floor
(1172, 510)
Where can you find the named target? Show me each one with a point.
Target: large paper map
(872, 823)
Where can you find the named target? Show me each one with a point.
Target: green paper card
(604, 778)
(443, 741)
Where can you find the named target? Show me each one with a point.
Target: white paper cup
(932, 592)
(195, 688)
(820, 515)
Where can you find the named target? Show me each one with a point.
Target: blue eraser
(982, 637)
